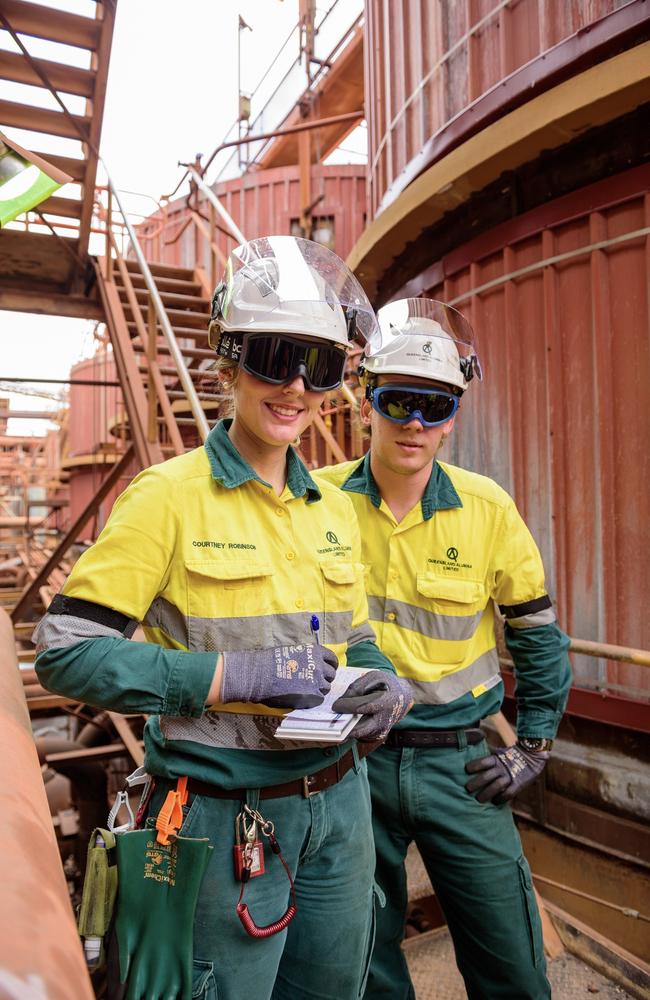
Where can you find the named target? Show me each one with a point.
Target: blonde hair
(226, 374)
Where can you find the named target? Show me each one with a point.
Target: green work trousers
(324, 953)
(473, 855)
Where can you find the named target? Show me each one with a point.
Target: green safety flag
(25, 180)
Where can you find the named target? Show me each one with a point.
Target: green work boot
(157, 894)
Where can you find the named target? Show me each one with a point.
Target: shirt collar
(232, 470)
(440, 493)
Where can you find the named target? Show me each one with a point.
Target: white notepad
(321, 724)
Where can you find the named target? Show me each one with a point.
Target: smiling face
(404, 449)
(273, 415)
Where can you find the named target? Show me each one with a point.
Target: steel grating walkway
(433, 970)
(432, 965)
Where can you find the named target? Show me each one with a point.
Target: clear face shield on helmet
(289, 306)
(424, 338)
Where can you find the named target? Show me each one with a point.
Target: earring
(296, 441)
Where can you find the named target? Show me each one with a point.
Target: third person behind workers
(442, 547)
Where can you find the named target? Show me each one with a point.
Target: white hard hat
(289, 285)
(424, 338)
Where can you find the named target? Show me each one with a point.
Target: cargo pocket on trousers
(533, 920)
(378, 900)
(204, 986)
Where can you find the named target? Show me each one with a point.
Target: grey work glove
(504, 773)
(381, 697)
(281, 677)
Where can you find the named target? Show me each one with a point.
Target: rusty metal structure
(507, 173)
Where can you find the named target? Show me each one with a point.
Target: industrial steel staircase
(161, 418)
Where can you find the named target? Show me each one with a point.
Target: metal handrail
(163, 319)
(212, 198)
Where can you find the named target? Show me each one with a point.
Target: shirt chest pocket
(453, 609)
(340, 580)
(229, 588)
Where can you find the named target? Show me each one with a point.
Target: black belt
(432, 737)
(306, 786)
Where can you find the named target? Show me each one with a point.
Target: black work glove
(504, 773)
(281, 677)
(381, 697)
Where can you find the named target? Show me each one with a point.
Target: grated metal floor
(433, 970)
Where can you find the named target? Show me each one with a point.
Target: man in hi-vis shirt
(442, 546)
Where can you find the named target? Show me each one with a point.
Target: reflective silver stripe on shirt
(230, 730)
(544, 617)
(251, 632)
(362, 633)
(168, 618)
(454, 628)
(61, 631)
(455, 685)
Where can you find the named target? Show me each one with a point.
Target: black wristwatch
(535, 744)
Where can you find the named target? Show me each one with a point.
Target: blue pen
(314, 626)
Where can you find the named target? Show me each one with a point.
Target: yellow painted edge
(588, 88)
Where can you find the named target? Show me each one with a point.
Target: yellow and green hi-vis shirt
(209, 559)
(433, 580)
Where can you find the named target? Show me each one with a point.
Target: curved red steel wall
(427, 62)
(262, 203)
(561, 308)
(93, 410)
(92, 407)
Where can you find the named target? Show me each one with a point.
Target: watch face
(534, 745)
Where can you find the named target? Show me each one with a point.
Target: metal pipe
(170, 337)
(212, 198)
(59, 381)
(36, 904)
(625, 654)
(289, 130)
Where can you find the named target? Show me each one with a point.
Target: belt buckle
(306, 791)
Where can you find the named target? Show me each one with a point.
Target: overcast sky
(172, 93)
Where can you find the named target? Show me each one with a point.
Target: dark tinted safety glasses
(278, 359)
(402, 403)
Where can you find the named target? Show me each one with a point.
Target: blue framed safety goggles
(403, 403)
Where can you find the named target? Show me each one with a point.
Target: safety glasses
(279, 359)
(403, 403)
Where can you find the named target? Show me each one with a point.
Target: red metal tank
(562, 418)
(262, 203)
(92, 448)
(428, 64)
(508, 151)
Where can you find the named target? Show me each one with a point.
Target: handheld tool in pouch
(98, 898)
(249, 862)
(100, 880)
(160, 875)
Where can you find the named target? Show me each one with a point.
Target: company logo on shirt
(335, 546)
(451, 561)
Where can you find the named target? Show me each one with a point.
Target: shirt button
(391, 616)
(291, 555)
(279, 511)
(394, 575)
(300, 603)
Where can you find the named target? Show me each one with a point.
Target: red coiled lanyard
(251, 928)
